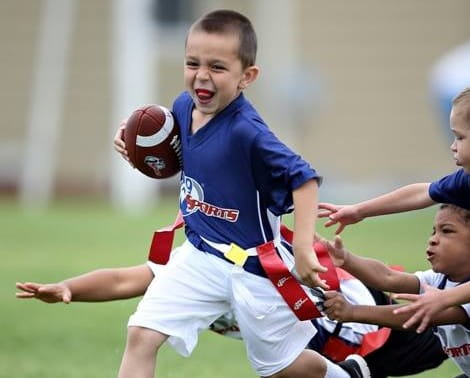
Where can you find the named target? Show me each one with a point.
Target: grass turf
(87, 340)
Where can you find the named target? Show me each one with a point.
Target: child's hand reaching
(343, 215)
(423, 307)
(49, 293)
(336, 250)
(337, 307)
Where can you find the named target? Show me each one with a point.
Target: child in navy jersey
(238, 179)
(454, 189)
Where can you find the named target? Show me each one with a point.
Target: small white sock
(334, 371)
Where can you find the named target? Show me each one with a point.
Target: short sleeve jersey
(455, 338)
(454, 189)
(237, 176)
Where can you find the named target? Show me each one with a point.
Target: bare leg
(139, 358)
(308, 364)
(311, 364)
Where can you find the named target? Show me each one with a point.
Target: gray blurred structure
(50, 77)
(368, 125)
(134, 68)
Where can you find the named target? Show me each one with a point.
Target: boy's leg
(275, 339)
(141, 352)
(310, 364)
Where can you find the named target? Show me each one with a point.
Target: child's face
(213, 72)
(448, 248)
(461, 129)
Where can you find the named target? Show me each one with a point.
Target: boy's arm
(371, 272)
(305, 215)
(95, 286)
(425, 306)
(406, 198)
(337, 308)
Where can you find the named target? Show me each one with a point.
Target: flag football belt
(286, 284)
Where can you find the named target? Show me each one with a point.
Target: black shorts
(405, 352)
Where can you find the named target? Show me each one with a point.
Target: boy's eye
(218, 67)
(447, 230)
(190, 63)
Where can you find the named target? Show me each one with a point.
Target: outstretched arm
(95, 286)
(406, 198)
(305, 215)
(337, 308)
(426, 306)
(371, 272)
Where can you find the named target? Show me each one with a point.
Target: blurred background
(358, 88)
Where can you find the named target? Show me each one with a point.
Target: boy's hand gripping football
(343, 215)
(49, 293)
(118, 141)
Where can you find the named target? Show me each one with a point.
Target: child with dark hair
(448, 252)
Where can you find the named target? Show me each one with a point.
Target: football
(152, 140)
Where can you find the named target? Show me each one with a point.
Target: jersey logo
(192, 200)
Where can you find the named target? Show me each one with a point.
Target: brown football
(152, 140)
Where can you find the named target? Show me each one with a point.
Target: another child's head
(219, 60)
(460, 126)
(449, 245)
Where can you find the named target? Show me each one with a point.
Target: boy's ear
(249, 75)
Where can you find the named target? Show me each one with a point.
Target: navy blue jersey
(237, 176)
(454, 189)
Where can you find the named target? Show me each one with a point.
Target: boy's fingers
(66, 297)
(329, 223)
(27, 286)
(424, 324)
(24, 295)
(406, 297)
(340, 228)
(412, 321)
(338, 242)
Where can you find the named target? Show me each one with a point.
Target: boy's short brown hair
(228, 21)
(463, 99)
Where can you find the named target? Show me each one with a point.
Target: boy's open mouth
(204, 95)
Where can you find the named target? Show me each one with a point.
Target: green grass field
(87, 339)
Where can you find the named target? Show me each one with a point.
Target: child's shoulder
(182, 99)
(431, 278)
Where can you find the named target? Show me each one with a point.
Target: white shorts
(196, 288)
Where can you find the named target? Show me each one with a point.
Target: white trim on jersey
(260, 219)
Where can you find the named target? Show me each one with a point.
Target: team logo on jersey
(192, 200)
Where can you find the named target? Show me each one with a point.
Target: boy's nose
(202, 73)
(432, 240)
(453, 146)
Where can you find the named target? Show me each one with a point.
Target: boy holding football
(454, 188)
(238, 179)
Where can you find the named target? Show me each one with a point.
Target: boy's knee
(144, 338)
(307, 364)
